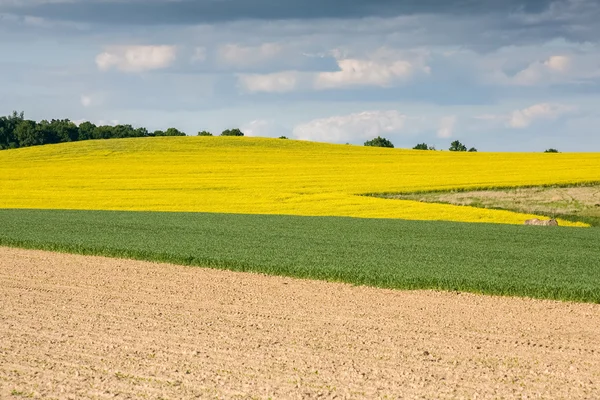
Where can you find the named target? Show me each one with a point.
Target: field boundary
(493, 259)
(475, 188)
(592, 221)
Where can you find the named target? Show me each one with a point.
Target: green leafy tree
(26, 134)
(7, 130)
(204, 133)
(65, 130)
(123, 131)
(457, 146)
(15, 131)
(379, 142)
(472, 149)
(232, 132)
(141, 132)
(86, 130)
(423, 146)
(282, 137)
(45, 132)
(551, 151)
(104, 132)
(174, 132)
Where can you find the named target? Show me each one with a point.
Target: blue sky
(515, 75)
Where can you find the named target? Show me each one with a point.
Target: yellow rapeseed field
(269, 176)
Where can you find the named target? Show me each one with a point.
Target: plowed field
(78, 327)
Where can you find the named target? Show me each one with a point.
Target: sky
(512, 75)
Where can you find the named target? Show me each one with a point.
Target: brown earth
(75, 327)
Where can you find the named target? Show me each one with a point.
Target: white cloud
(237, 55)
(549, 71)
(381, 68)
(277, 82)
(101, 122)
(86, 101)
(558, 63)
(112, 122)
(264, 128)
(551, 66)
(525, 117)
(352, 127)
(446, 128)
(363, 72)
(543, 111)
(136, 58)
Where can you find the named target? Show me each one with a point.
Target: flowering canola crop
(270, 176)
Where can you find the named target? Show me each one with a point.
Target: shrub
(379, 142)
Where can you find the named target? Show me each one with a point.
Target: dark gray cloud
(214, 11)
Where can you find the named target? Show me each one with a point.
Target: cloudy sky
(512, 75)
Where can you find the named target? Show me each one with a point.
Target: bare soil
(76, 327)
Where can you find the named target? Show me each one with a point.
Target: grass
(574, 202)
(554, 263)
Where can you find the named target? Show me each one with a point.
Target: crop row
(555, 263)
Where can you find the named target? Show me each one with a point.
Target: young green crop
(545, 262)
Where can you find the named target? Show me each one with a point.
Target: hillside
(269, 176)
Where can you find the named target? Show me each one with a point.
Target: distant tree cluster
(232, 132)
(16, 131)
(458, 146)
(383, 142)
(226, 132)
(423, 146)
(379, 142)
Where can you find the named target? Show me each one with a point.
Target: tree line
(16, 131)
(383, 142)
(454, 146)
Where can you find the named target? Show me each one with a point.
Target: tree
(232, 132)
(123, 131)
(103, 132)
(141, 132)
(16, 132)
(7, 130)
(457, 146)
(45, 132)
(26, 134)
(379, 142)
(204, 133)
(282, 137)
(423, 146)
(86, 130)
(65, 130)
(174, 132)
(472, 149)
(551, 151)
